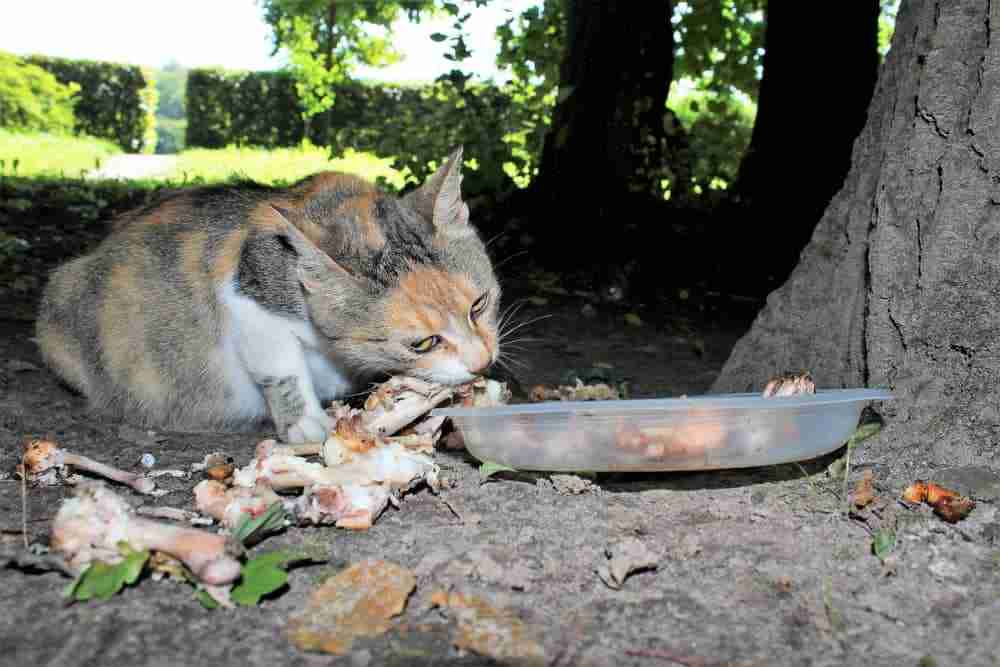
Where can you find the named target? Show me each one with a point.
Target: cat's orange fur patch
(123, 309)
(193, 254)
(227, 260)
(425, 296)
(64, 353)
(327, 181)
(361, 210)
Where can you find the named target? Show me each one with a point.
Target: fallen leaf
(626, 557)
(864, 492)
(101, 580)
(916, 492)
(489, 468)
(264, 575)
(883, 542)
(571, 484)
(358, 602)
(953, 508)
(633, 320)
(488, 631)
(935, 493)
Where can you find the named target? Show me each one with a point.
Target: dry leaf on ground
(486, 630)
(864, 492)
(358, 602)
(626, 557)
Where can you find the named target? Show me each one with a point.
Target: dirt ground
(753, 567)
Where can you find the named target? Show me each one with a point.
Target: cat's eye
(479, 306)
(425, 345)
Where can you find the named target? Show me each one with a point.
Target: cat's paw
(309, 428)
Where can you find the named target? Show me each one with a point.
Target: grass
(39, 155)
(43, 154)
(277, 165)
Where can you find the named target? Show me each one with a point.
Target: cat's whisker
(497, 266)
(495, 237)
(521, 325)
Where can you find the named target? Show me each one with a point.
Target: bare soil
(754, 567)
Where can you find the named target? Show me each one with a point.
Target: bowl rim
(718, 402)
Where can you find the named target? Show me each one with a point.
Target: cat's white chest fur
(260, 344)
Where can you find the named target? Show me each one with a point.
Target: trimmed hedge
(32, 99)
(115, 101)
(417, 125)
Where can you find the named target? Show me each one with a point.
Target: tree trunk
(814, 95)
(607, 138)
(900, 285)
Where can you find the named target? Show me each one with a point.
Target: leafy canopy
(326, 39)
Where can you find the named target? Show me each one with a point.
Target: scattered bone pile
(372, 457)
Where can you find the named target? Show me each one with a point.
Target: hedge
(417, 125)
(115, 101)
(32, 99)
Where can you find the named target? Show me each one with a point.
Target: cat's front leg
(271, 350)
(296, 418)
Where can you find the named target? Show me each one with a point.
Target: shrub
(418, 125)
(116, 101)
(32, 99)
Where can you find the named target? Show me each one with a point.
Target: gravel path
(134, 167)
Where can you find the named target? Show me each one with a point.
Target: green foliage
(276, 165)
(253, 528)
(720, 43)
(326, 39)
(170, 85)
(418, 124)
(883, 542)
(40, 153)
(101, 581)
(262, 576)
(32, 99)
(170, 135)
(886, 24)
(115, 101)
(489, 468)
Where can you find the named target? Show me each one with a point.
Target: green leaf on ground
(863, 432)
(883, 542)
(253, 528)
(101, 581)
(265, 574)
(489, 468)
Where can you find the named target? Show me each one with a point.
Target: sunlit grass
(43, 154)
(276, 165)
(50, 155)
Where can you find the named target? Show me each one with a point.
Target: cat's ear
(314, 266)
(439, 199)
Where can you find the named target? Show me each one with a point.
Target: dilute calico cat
(220, 307)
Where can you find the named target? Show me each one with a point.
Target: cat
(219, 308)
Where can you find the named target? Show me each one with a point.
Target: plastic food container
(700, 433)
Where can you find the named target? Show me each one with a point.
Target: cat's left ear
(439, 199)
(314, 266)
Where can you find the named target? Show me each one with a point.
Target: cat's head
(405, 284)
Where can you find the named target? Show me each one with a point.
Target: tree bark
(607, 139)
(900, 285)
(814, 95)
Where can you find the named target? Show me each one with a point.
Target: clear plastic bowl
(700, 433)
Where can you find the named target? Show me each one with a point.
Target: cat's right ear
(439, 199)
(315, 267)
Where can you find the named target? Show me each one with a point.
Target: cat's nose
(481, 363)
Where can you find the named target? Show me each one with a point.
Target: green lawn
(42, 154)
(49, 155)
(275, 165)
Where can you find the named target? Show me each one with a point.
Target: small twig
(24, 507)
(847, 479)
(686, 660)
